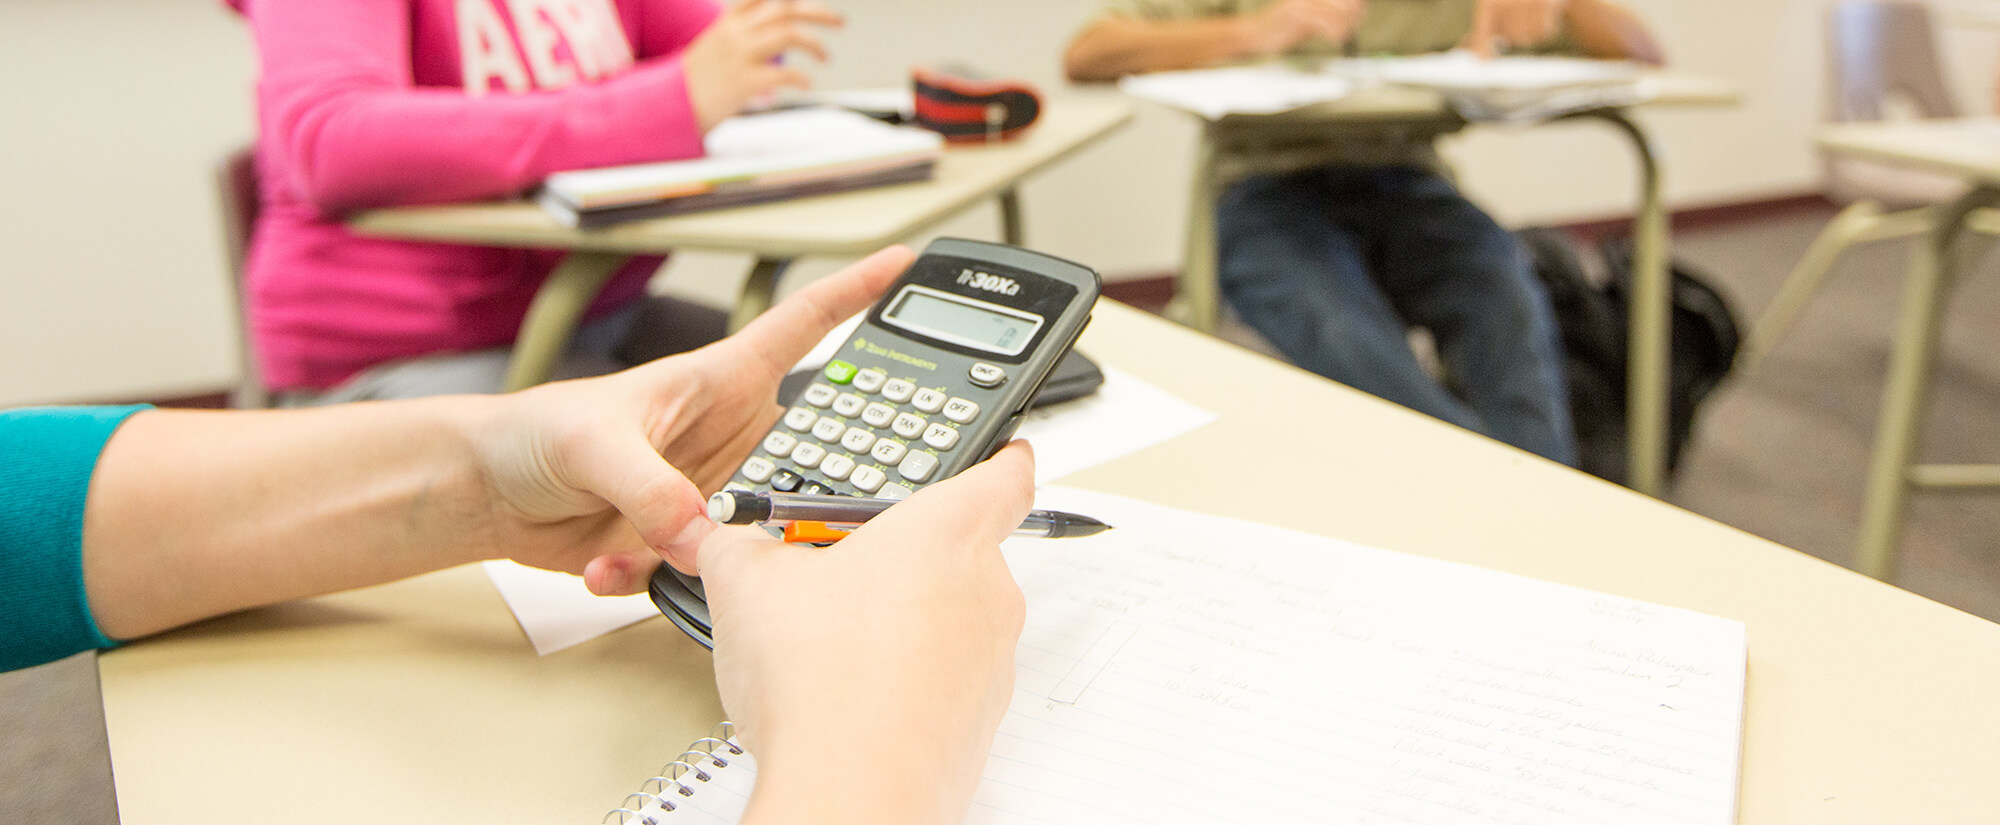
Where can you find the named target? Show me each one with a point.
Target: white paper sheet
(1190, 669)
(557, 611)
(1237, 90)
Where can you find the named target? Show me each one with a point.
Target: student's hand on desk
(574, 467)
(1513, 23)
(1284, 24)
(906, 626)
(736, 59)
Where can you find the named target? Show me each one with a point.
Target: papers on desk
(1237, 90)
(1124, 416)
(1184, 668)
(1508, 88)
(750, 159)
(1513, 88)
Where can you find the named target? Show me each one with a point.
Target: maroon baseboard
(1151, 291)
(1697, 217)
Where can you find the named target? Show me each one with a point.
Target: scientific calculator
(934, 380)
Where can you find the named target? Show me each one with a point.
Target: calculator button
(758, 469)
(857, 440)
(941, 436)
(869, 380)
(907, 425)
(814, 488)
(849, 404)
(785, 481)
(738, 485)
(878, 415)
(808, 454)
(829, 428)
(840, 372)
(928, 400)
(899, 390)
(918, 466)
(779, 444)
(986, 375)
(868, 479)
(961, 410)
(801, 418)
(888, 451)
(819, 395)
(836, 466)
(893, 492)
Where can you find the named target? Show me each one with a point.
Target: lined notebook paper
(1185, 668)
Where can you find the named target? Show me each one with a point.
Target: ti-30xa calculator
(934, 380)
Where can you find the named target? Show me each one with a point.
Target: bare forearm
(195, 514)
(1609, 31)
(1115, 47)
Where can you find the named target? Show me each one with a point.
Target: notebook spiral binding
(678, 778)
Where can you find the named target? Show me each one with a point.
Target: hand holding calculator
(934, 380)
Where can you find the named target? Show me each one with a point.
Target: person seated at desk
(118, 523)
(378, 103)
(1333, 264)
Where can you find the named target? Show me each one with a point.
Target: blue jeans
(1333, 265)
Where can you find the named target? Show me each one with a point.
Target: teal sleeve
(47, 457)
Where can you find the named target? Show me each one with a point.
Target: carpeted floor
(1781, 453)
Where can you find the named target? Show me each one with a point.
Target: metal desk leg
(759, 291)
(1010, 216)
(1906, 395)
(552, 316)
(1649, 330)
(1195, 301)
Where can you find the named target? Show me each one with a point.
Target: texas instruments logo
(988, 281)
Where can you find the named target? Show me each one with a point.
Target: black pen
(815, 519)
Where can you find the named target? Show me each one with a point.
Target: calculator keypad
(880, 433)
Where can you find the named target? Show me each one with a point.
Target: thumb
(668, 510)
(988, 500)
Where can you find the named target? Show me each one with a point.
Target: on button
(986, 375)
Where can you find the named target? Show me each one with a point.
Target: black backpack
(1592, 320)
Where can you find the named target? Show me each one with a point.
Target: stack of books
(750, 159)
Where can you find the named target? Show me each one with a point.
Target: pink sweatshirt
(370, 103)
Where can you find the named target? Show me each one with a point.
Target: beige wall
(111, 281)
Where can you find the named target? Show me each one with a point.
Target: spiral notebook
(1289, 677)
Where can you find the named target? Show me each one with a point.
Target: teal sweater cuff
(47, 457)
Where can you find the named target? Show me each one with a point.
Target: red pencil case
(971, 110)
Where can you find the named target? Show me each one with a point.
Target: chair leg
(1010, 217)
(1196, 302)
(1805, 280)
(1905, 396)
(760, 290)
(552, 316)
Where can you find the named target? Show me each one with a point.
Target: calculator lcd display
(963, 321)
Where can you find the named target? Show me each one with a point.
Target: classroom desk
(848, 224)
(1969, 149)
(1239, 145)
(421, 701)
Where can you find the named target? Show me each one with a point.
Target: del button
(986, 375)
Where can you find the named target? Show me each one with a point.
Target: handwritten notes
(1190, 669)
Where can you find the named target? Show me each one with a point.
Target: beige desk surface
(421, 701)
(1964, 147)
(1389, 102)
(852, 223)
